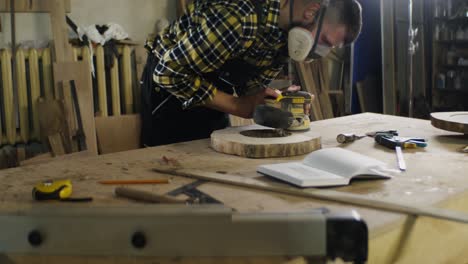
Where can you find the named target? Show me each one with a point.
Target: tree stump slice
(451, 121)
(232, 141)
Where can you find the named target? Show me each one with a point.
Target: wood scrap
(118, 133)
(320, 194)
(52, 124)
(81, 74)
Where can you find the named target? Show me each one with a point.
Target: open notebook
(328, 167)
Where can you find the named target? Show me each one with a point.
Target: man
(220, 56)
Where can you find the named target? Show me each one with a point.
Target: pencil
(117, 182)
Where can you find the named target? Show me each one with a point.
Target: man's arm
(239, 106)
(216, 34)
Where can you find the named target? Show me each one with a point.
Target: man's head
(341, 22)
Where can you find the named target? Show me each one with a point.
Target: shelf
(454, 66)
(452, 90)
(453, 42)
(452, 20)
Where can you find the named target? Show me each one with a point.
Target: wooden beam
(320, 194)
(63, 49)
(388, 57)
(308, 83)
(32, 6)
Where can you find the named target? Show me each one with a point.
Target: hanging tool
(196, 196)
(347, 138)
(80, 135)
(60, 190)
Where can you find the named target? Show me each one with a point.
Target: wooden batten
(22, 90)
(47, 73)
(10, 126)
(127, 85)
(35, 83)
(101, 81)
(115, 88)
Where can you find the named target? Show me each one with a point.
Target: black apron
(171, 123)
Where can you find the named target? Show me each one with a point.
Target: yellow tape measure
(56, 190)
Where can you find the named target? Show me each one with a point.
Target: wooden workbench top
(437, 176)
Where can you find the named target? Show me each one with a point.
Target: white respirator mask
(302, 46)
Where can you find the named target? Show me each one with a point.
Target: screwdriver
(347, 138)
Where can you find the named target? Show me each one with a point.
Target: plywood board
(231, 141)
(118, 133)
(81, 73)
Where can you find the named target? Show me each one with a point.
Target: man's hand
(307, 106)
(244, 106)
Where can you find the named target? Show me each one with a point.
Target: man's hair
(348, 13)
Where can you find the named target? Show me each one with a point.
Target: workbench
(436, 176)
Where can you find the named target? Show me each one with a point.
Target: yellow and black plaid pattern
(211, 33)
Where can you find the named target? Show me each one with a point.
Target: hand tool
(400, 159)
(146, 196)
(465, 149)
(320, 194)
(196, 196)
(127, 182)
(284, 112)
(347, 138)
(390, 139)
(60, 190)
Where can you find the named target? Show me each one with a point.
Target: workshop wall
(137, 17)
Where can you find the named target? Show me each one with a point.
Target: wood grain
(451, 121)
(327, 195)
(231, 141)
(80, 72)
(118, 133)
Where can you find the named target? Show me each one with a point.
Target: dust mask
(302, 46)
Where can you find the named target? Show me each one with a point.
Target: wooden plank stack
(315, 78)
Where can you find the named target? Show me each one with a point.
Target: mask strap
(323, 9)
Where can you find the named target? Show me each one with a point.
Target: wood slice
(451, 121)
(231, 141)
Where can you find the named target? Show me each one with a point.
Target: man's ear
(310, 11)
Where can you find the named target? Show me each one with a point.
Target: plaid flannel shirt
(209, 34)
